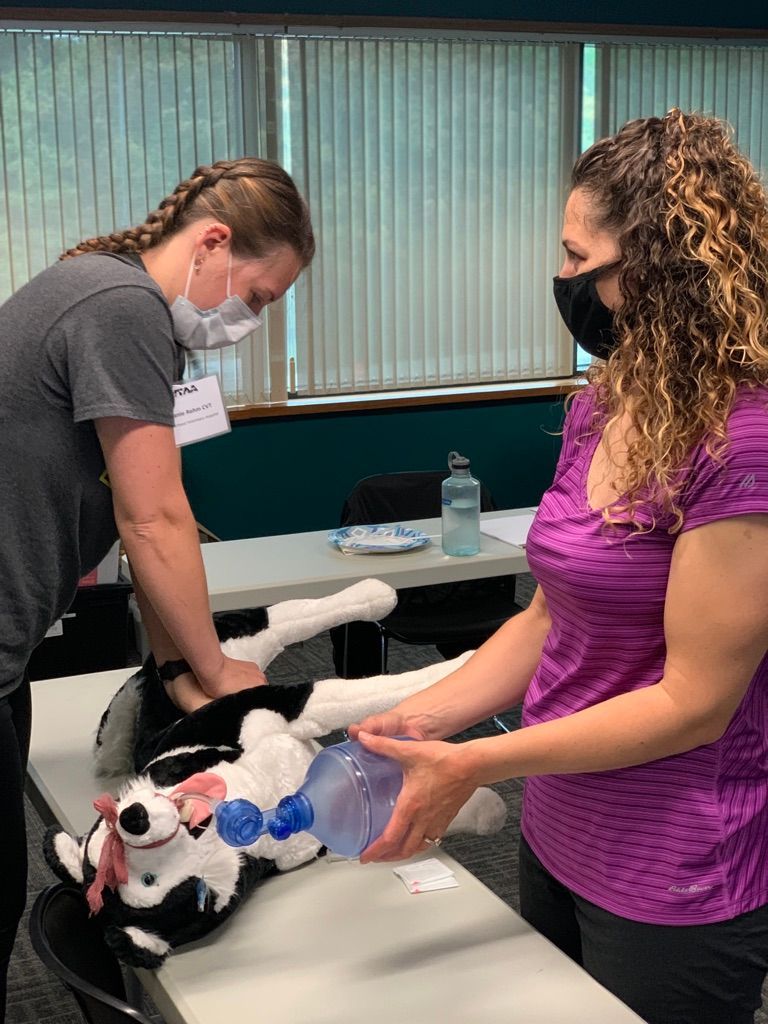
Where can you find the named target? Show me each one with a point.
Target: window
(644, 79)
(623, 81)
(96, 127)
(435, 169)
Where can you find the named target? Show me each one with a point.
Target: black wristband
(170, 669)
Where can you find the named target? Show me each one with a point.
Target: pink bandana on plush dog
(112, 869)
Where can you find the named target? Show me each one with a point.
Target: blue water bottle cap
(239, 822)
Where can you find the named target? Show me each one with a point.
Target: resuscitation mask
(586, 316)
(223, 325)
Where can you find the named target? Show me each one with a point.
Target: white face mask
(225, 324)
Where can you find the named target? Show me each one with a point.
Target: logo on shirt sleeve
(687, 890)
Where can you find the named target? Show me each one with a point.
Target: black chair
(71, 944)
(455, 617)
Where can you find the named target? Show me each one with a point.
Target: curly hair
(257, 199)
(691, 219)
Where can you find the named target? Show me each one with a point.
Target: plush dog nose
(134, 819)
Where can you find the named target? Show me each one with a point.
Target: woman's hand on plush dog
(187, 692)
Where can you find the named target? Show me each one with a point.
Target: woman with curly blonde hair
(642, 661)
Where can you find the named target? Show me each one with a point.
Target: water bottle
(345, 801)
(461, 509)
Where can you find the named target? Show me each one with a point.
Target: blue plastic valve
(239, 822)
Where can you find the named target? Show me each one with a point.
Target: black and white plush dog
(152, 871)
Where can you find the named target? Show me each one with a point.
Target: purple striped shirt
(684, 839)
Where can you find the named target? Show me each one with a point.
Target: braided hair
(255, 198)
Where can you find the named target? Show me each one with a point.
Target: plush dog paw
(63, 855)
(137, 947)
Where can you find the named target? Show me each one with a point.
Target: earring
(198, 263)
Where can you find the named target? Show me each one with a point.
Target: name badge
(198, 411)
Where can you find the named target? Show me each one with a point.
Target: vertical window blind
(645, 80)
(436, 171)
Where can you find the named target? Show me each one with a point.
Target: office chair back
(72, 946)
(454, 616)
(393, 497)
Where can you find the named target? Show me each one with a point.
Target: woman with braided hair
(641, 662)
(90, 350)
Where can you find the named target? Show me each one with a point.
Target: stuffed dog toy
(153, 867)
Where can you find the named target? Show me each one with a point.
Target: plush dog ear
(136, 947)
(205, 784)
(64, 855)
(115, 738)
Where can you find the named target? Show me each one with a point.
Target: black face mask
(586, 316)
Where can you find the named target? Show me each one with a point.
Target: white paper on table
(426, 876)
(510, 529)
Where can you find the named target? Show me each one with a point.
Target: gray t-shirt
(89, 337)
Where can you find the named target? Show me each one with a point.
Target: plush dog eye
(148, 878)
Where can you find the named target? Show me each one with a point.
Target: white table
(263, 570)
(330, 943)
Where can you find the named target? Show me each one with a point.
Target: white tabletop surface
(332, 942)
(263, 570)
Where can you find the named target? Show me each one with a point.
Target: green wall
(704, 13)
(290, 474)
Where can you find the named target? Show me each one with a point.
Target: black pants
(15, 723)
(686, 974)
